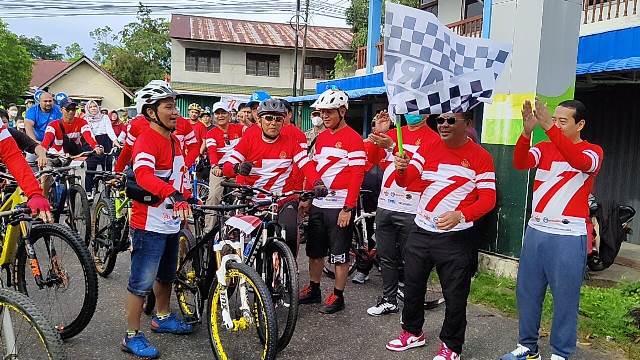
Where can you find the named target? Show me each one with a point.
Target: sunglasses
(450, 121)
(272, 118)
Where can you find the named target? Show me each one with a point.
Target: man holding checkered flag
(430, 70)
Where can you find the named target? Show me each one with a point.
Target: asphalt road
(350, 334)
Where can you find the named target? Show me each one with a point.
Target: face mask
(316, 121)
(413, 119)
(13, 113)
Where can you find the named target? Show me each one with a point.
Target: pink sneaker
(405, 341)
(446, 354)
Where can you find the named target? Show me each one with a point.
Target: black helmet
(272, 106)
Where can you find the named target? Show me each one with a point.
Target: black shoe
(308, 296)
(333, 304)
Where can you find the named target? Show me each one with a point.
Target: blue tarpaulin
(615, 50)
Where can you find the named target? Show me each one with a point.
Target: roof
(52, 77)
(44, 70)
(257, 33)
(609, 51)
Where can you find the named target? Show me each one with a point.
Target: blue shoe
(139, 346)
(521, 353)
(171, 325)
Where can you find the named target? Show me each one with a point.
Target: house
(213, 57)
(82, 80)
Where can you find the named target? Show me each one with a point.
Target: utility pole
(304, 46)
(295, 61)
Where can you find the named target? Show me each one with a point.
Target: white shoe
(359, 278)
(383, 307)
(557, 357)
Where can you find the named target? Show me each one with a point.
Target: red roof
(257, 33)
(43, 70)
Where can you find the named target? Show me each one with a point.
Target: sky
(65, 30)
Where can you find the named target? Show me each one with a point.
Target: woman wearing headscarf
(105, 136)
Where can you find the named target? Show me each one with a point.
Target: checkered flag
(431, 70)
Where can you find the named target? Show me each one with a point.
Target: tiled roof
(257, 33)
(43, 70)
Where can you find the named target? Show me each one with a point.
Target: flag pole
(399, 133)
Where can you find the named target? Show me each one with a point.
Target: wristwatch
(346, 209)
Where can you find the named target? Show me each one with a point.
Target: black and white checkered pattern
(430, 69)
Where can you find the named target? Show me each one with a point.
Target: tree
(357, 16)
(39, 50)
(73, 52)
(15, 66)
(139, 53)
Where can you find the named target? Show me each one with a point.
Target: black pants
(455, 258)
(92, 161)
(288, 219)
(392, 231)
(372, 182)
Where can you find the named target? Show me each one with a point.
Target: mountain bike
(210, 266)
(65, 284)
(111, 222)
(99, 184)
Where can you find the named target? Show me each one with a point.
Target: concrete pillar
(373, 33)
(545, 37)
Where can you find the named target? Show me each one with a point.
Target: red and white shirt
(393, 196)
(152, 160)
(452, 179)
(220, 143)
(13, 159)
(564, 179)
(200, 130)
(139, 124)
(76, 130)
(273, 163)
(340, 160)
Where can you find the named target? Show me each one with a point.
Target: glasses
(272, 118)
(450, 121)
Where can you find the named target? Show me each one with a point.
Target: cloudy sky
(52, 20)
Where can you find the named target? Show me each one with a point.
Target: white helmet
(152, 92)
(331, 99)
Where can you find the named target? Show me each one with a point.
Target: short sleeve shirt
(42, 119)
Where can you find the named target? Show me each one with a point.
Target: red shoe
(333, 304)
(405, 341)
(446, 354)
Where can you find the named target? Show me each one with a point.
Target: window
(202, 60)
(472, 8)
(263, 65)
(430, 6)
(318, 68)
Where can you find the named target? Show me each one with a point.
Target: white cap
(220, 106)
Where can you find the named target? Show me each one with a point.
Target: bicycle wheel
(187, 277)
(81, 212)
(282, 281)
(329, 268)
(101, 244)
(254, 332)
(70, 291)
(25, 333)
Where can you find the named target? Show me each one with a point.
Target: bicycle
(211, 266)
(111, 223)
(64, 284)
(99, 181)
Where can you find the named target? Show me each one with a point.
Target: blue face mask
(413, 119)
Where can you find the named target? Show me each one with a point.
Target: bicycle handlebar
(16, 211)
(304, 193)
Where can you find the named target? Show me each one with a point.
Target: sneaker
(359, 278)
(333, 304)
(446, 354)
(171, 325)
(383, 307)
(521, 353)
(405, 341)
(400, 294)
(555, 357)
(308, 296)
(139, 346)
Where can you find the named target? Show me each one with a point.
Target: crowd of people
(430, 186)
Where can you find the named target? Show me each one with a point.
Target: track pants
(392, 231)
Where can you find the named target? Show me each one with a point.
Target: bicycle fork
(245, 309)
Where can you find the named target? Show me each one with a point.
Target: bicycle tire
(186, 298)
(88, 271)
(38, 322)
(104, 264)
(260, 290)
(329, 269)
(284, 335)
(84, 211)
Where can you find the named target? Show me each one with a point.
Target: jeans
(154, 257)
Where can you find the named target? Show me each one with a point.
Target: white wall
(233, 65)
(449, 11)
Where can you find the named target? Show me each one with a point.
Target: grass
(604, 312)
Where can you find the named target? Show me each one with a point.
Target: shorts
(325, 238)
(154, 257)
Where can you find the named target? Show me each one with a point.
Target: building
(82, 80)
(213, 58)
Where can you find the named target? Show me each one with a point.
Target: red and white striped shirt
(220, 143)
(13, 159)
(452, 179)
(152, 160)
(273, 163)
(564, 179)
(76, 130)
(340, 159)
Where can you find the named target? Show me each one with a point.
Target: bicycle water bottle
(248, 247)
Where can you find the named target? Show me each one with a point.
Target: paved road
(351, 334)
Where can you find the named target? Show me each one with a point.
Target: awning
(615, 50)
(353, 94)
